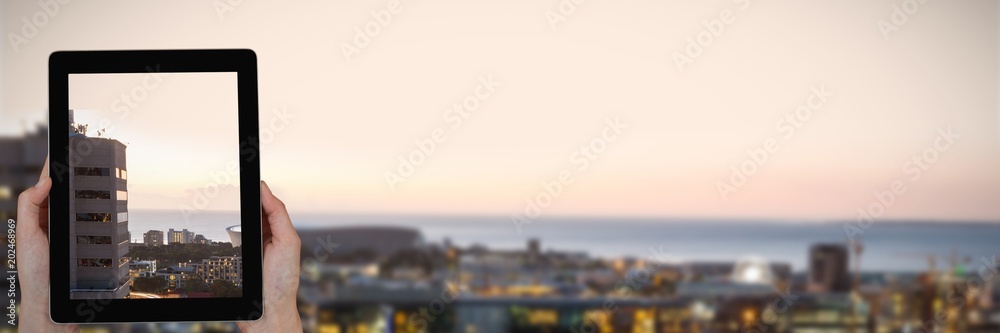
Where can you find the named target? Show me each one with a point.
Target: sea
(889, 246)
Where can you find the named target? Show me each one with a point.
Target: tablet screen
(154, 186)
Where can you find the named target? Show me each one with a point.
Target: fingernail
(264, 185)
(41, 182)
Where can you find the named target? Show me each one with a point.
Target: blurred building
(175, 275)
(180, 236)
(746, 268)
(354, 291)
(175, 236)
(521, 272)
(829, 313)
(374, 240)
(470, 313)
(200, 239)
(828, 271)
(99, 238)
(21, 160)
(142, 268)
(153, 238)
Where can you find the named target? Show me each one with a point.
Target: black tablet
(154, 213)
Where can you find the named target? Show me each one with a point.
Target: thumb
(278, 222)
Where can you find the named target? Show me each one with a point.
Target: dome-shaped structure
(752, 270)
(235, 235)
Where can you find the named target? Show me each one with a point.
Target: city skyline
(519, 166)
(159, 237)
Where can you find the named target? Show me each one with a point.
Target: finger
(45, 168)
(265, 227)
(277, 221)
(43, 208)
(43, 211)
(30, 203)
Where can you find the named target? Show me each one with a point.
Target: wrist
(34, 317)
(276, 318)
(33, 312)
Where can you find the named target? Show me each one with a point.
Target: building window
(94, 262)
(90, 194)
(122, 217)
(93, 217)
(122, 195)
(121, 173)
(86, 171)
(95, 240)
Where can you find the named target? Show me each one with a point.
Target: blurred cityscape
(390, 279)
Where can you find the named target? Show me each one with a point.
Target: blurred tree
(223, 288)
(195, 284)
(149, 284)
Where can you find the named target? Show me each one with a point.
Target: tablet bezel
(65, 310)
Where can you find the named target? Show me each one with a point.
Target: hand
(281, 269)
(32, 243)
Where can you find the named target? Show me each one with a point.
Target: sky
(341, 106)
(180, 134)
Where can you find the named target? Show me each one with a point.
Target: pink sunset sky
(341, 120)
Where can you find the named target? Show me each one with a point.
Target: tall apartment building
(153, 238)
(99, 240)
(828, 272)
(175, 236)
(221, 268)
(180, 236)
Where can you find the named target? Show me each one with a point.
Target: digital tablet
(154, 212)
